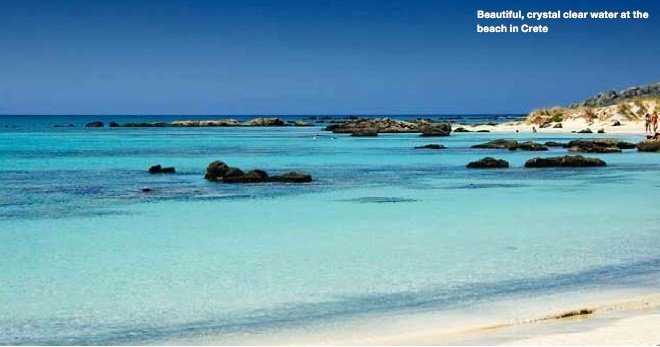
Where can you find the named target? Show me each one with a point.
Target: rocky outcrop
(365, 133)
(612, 97)
(585, 131)
(146, 125)
(292, 177)
(649, 146)
(388, 125)
(530, 146)
(431, 146)
(488, 163)
(462, 130)
(218, 171)
(157, 169)
(265, 122)
(96, 124)
(555, 144)
(604, 145)
(565, 161)
(498, 144)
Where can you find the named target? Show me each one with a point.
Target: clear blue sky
(309, 57)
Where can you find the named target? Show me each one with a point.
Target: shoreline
(622, 322)
(560, 318)
(568, 126)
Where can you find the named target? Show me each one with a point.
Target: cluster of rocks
(218, 171)
(605, 145)
(372, 127)
(257, 122)
(565, 161)
(512, 145)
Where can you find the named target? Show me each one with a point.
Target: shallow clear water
(87, 258)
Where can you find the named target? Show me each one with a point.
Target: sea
(384, 230)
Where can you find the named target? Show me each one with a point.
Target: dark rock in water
(159, 169)
(616, 123)
(558, 126)
(585, 131)
(565, 161)
(649, 146)
(601, 131)
(365, 133)
(146, 190)
(430, 146)
(292, 177)
(498, 144)
(462, 130)
(94, 125)
(483, 131)
(113, 124)
(233, 175)
(532, 146)
(488, 163)
(256, 176)
(216, 170)
(595, 149)
(435, 130)
(555, 144)
(604, 145)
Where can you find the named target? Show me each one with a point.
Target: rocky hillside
(627, 105)
(615, 97)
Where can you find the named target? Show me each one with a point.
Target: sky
(311, 57)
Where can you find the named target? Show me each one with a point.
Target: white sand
(626, 127)
(639, 330)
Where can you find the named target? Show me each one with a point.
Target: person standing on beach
(654, 120)
(647, 120)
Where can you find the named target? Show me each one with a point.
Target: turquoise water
(87, 258)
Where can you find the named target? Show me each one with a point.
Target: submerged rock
(488, 163)
(649, 146)
(96, 124)
(431, 146)
(498, 144)
(156, 169)
(565, 161)
(113, 124)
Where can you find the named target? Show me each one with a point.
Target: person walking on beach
(647, 120)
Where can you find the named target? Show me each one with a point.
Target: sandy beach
(568, 126)
(632, 321)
